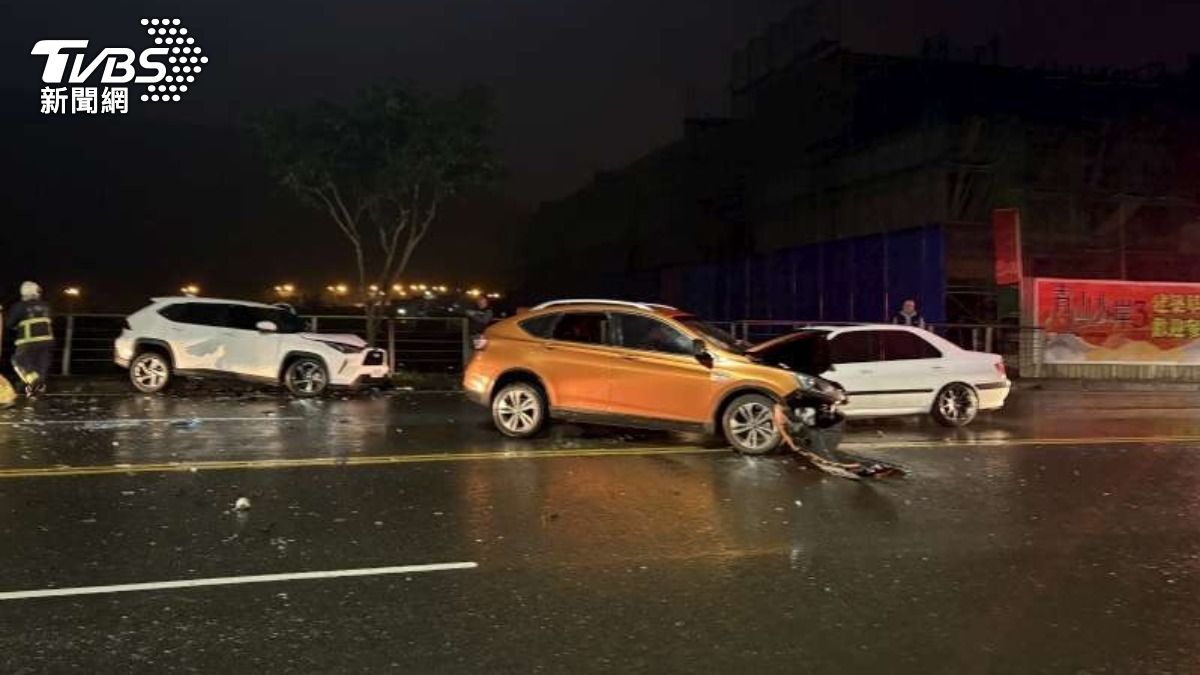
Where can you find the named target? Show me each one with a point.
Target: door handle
(628, 357)
(548, 347)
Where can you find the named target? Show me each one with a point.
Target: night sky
(134, 206)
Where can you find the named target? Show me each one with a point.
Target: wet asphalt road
(1059, 536)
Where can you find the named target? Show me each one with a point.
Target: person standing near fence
(34, 338)
(478, 320)
(480, 317)
(908, 315)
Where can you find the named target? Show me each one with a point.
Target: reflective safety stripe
(28, 377)
(26, 331)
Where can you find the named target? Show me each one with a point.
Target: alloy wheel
(752, 426)
(518, 411)
(308, 377)
(150, 373)
(957, 404)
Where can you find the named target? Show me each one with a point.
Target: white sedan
(895, 370)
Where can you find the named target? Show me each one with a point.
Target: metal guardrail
(425, 344)
(437, 344)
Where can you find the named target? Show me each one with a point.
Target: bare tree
(381, 168)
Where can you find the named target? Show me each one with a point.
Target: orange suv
(627, 364)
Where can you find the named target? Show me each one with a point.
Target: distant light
(72, 291)
(402, 311)
(474, 292)
(190, 290)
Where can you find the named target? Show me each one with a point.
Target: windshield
(247, 317)
(712, 334)
(289, 322)
(805, 352)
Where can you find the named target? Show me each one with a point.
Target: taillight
(1000, 368)
(480, 343)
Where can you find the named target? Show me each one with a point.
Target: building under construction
(842, 183)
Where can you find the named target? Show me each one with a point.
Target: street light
(285, 290)
(191, 290)
(72, 293)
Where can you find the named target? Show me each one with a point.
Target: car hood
(348, 339)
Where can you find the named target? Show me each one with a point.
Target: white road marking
(229, 581)
(130, 421)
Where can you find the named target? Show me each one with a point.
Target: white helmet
(30, 291)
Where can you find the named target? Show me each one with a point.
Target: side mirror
(699, 348)
(266, 327)
(831, 368)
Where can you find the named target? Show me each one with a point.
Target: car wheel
(519, 410)
(749, 425)
(150, 372)
(306, 377)
(956, 405)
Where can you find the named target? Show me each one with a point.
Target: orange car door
(656, 375)
(577, 362)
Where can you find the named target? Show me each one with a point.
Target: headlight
(806, 381)
(341, 347)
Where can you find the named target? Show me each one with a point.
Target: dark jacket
(914, 319)
(30, 319)
(480, 319)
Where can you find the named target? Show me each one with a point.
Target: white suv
(202, 337)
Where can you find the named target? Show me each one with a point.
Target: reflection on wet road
(1011, 549)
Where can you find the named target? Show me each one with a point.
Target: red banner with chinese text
(1006, 238)
(1138, 322)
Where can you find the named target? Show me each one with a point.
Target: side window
(207, 314)
(652, 335)
(243, 317)
(176, 313)
(901, 345)
(858, 346)
(587, 327)
(541, 326)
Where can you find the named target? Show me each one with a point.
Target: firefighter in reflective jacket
(29, 320)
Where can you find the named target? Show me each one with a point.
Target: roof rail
(592, 301)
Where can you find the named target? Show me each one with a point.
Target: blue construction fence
(854, 279)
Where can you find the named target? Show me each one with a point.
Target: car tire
(956, 405)
(150, 372)
(306, 377)
(749, 425)
(519, 410)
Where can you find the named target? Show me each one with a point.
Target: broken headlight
(342, 347)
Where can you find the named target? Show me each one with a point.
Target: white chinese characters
(85, 100)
